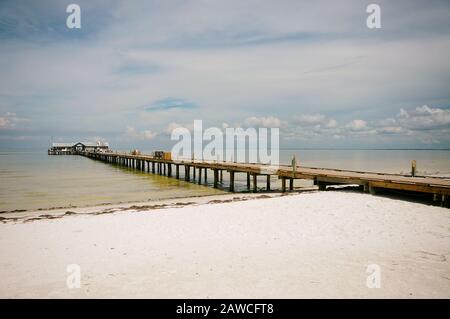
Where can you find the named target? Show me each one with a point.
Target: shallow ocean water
(34, 180)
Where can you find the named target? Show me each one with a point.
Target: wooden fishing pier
(197, 170)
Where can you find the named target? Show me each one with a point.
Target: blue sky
(137, 69)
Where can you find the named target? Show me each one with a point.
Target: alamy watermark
(73, 21)
(374, 278)
(373, 21)
(250, 145)
(74, 278)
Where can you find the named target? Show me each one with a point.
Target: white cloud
(424, 118)
(331, 123)
(310, 119)
(269, 121)
(426, 125)
(9, 120)
(357, 125)
(390, 130)
(174, 125)
(149, 135)
(319, 121)
(4, 122)
(132, 133)
(307, 126)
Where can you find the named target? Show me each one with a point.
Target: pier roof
(87, 144)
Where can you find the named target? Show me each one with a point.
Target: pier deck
(371, 182)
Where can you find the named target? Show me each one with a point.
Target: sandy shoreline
(177, 202)
(309, 245)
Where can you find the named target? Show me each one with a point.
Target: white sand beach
(308, 245)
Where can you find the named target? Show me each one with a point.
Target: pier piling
(255, 183)
(231, 181)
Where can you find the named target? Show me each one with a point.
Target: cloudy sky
(137, 69)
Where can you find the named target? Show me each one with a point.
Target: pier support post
(153, 167)
(413, 168)
(187, 173)
(199, 175)
(435, 198)
(216, 178)
(291, 184)
(255, 183)
(221, 176)
(231, 181)
(206, 175)
(193, 173)
(177, 171)
(322, 186)
(268, 183)
(248, 181)
(164, 169)
(445, 202)
(169, 169)
(283, 184)
(366, 188)
(148, 167)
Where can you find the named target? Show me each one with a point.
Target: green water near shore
(34, 180)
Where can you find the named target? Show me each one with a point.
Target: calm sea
(34, 180)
